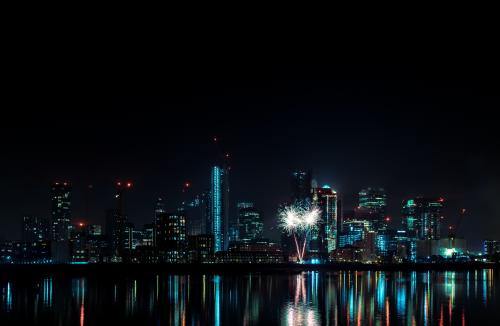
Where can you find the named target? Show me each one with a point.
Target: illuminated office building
(219, 207)
(159, 209)
(491, 247)
(422, 217)
(353, 231)
(200, 248)
(251, 224)
(326, 233)
(372, 206)
(171, 237)
(385, 243)
(61, 210)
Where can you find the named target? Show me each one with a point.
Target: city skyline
(412, 136)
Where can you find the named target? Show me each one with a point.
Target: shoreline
(123, 269)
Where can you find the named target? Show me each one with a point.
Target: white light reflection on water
(304, 308)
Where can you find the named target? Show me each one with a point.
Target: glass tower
(325, 199)
(422, 217)
(372, 206)
(219, 207)
(250, 223)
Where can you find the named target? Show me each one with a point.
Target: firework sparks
(311, 217)
(296, 219)
(290, 218)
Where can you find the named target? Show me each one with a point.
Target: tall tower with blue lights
(219, 207)
(218, 219)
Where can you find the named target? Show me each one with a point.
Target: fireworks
(299, 219)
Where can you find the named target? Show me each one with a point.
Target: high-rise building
(301, 185)
(372, 205)
(325, 199)
(159, 209)
(353, 231)
(147, 235)
(251, 224)
(198, 210)
(171, 237)
(61, 210)
(386, 244)
(116, 222)
(128, 238)
(219, 207)
(200, 248)
(422, 217)
(36, 229)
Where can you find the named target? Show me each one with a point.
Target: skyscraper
(116, 222)
(422, 217)
(36, 229)
(325, 199)
(372, 206)
(159, 209)
(171, 237)
(301, 185)
(61, 210)
(219, 207)
(198, 210)
(251, 224)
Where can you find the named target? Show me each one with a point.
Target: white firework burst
(290, 218)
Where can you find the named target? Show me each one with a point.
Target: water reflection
(307, 298)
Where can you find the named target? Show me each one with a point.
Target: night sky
(413, 130)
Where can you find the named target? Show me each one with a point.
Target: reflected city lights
(305, 298)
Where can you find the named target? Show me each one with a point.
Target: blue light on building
(217, 217)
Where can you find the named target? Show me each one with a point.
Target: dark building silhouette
(251, 223)
(201, 248)
(116, 222)
(171, 237)
(301, 185)
(36, 229)
(61, 210)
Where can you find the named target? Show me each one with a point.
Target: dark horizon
(354, 127)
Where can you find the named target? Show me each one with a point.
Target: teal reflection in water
(47, 292)
(306, 298)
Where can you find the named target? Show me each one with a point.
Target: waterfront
(312, 298)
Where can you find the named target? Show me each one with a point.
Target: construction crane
(453, 229)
